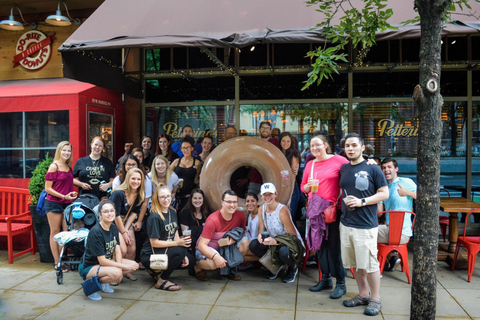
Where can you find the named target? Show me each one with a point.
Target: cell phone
(265, 234)
(223, 242)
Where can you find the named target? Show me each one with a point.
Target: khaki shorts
(383, 233)
(359, 248)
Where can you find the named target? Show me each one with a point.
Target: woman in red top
(59, 186)
(326, 170)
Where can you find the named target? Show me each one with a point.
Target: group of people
(143, 215)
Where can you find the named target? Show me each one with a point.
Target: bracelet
(124, 232)
(214, 255)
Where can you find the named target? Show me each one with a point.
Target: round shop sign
(33, 50)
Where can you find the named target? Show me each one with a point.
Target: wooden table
(453, 206)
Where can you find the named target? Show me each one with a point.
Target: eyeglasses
(231, 202)
(164, 197)
(317, 146)
(265, 128)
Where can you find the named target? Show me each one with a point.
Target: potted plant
(40, 223)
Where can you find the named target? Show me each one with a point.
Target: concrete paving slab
(30, 305)
(15, 275)
(236, 313)
(266, 295)
(193, 290)
(309, 315)
(47, 282)
(469, 300)
(81, 308)
(146, 310)
(447, 306)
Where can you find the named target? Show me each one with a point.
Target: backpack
(41, 203)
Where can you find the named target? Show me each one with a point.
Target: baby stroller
(80, 217)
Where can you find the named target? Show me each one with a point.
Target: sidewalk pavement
(29, 290)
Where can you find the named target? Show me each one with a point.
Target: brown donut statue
(239, 152)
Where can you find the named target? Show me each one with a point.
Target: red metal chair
(471, 243)
(444, 221)
(395, 233)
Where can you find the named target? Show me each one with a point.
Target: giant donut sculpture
(239, 152)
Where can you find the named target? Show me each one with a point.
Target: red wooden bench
(15, 218)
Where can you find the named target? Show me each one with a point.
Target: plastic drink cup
(347, 198)
(314, 187)
(180, 183)
(265, 234)
(187, 232)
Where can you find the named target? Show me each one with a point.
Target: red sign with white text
(33, 49)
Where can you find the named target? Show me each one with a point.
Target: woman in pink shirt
(59, 186)
(326, 167)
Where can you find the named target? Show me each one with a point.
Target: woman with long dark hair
(164, 148)
(287, 146)
(194, 214)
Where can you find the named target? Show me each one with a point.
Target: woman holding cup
(162, 229)
(321, 176)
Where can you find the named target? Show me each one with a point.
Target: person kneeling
(103, 242)
(229, 224)
(162, 229)
(274, 218)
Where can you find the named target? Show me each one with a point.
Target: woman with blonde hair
(59, 186)
(128, 199)
(162, 229)
(94, 173)
(161, 173)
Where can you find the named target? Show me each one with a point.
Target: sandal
(356, 301)
(167, 288)
(130, 277)
(63, 267)
(374, 307)
(140, 266)
(201, 275)
(154, 275)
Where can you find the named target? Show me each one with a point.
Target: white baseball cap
(267, 187)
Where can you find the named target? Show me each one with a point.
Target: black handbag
(92, 285)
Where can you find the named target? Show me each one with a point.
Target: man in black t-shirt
(363, 187)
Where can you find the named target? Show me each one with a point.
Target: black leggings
(284, 253)
(329, 255)
(175, 259)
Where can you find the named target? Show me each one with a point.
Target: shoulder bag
(92, 285)
(266, 259)
(329, 214)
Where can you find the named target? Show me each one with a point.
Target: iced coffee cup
(347, 198)
(314, 185)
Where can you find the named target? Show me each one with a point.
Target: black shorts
(55, 207)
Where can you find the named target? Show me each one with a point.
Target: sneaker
(394, 262)
(245, 266)
(273, 276)
(106, 288)
(312, 260)
(291, 275)
(95, 296)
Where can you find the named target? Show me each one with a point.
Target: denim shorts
(84, 271)
(55, 207)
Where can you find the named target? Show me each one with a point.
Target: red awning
(45, 94)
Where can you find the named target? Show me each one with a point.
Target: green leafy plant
(37, 182)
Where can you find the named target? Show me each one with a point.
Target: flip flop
(168, 288)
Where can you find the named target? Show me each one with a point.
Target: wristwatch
(364, 202)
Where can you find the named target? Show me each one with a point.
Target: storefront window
(101, 125)
(170, 120)
(45, 129)
(302, 120)
(27, 137)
